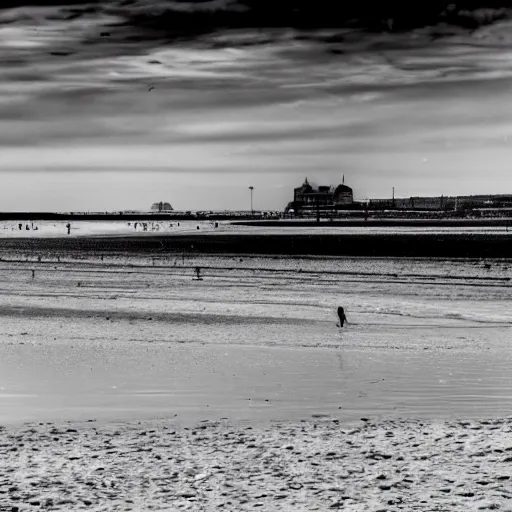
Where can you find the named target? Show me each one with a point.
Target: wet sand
(255, 339)
(486, 242)
(123, 379)
(117, 363)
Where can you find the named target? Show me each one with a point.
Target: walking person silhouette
(341, 316)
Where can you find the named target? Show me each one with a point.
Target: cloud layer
(227, 87)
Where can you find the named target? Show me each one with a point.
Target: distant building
(307, 197)
(443, 202)
(161, 207)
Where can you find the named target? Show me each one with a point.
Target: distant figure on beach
(341, 316)
(68, 225)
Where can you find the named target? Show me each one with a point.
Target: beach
(236, 390)
(255, 255)
(314, 465)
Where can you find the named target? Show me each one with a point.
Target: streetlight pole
(251, 188)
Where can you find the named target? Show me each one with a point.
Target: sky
(115, 105)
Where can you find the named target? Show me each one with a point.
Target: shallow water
(255, 339)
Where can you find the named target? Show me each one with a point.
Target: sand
(123, 338)
(301, 466)
(254, 341)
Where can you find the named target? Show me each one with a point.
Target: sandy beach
(126, 383)
(315, 465)
(255, 255)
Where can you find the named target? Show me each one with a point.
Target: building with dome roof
(161, 207)
(308, 197)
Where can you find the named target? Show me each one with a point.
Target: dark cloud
(196, 17)
(178, 18)
(9, 4)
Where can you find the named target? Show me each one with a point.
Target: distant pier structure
(161, 207)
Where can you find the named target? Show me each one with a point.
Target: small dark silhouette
(20, 226)
(68, 226)
(341, 316)
(198, 274)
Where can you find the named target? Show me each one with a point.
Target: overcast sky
(116, 107)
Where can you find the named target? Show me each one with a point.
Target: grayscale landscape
(255, 255)
(128, 383)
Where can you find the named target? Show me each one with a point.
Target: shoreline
(319, 464)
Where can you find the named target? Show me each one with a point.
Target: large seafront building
(308, 198)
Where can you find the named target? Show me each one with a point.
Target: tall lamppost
(251, 188)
